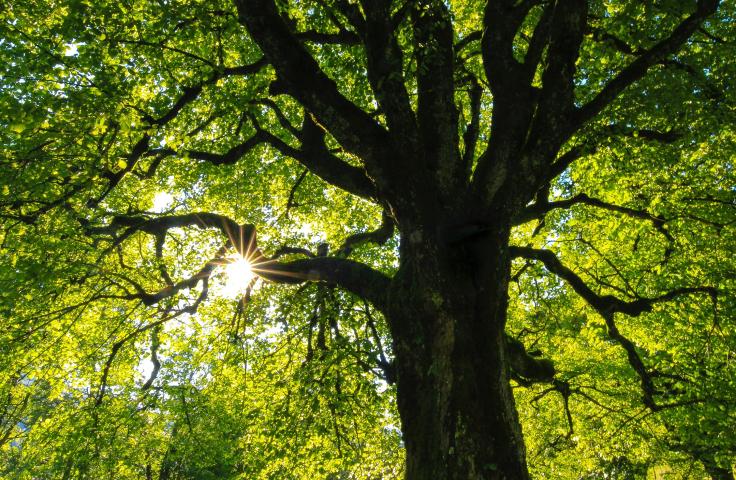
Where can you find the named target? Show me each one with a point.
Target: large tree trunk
(447, 313)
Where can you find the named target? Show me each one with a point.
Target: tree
(492, 182)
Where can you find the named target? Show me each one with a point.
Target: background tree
(441, 201)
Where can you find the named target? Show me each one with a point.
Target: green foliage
(288, 385)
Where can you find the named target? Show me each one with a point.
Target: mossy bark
(447, 312)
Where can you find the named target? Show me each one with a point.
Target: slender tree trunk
(447, 313)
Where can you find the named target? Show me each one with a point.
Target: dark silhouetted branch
(352, 276)
(652, 56)
(379, 236)
(607, 306)
(302, 78)
(538, 210)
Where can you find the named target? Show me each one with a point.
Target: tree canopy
(422, 191)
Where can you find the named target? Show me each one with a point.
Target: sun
(162, 201)
(239, 275)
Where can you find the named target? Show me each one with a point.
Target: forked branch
(607, 306)
(603, 304)
(302, 77)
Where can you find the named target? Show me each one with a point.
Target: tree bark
(447, 311)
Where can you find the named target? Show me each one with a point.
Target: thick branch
(317, 160)
(470, 137)
(315, 156)
(568, 22)
(603, 304)
(160, 225)
(527, 368)
(513, 98)
(467, 40)
(385, 73)
(436, 111)
(607, 306)
(356, 131)
(350, 275)
(353, 276)
(538, 42)
(379, 236)
(501, 20)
